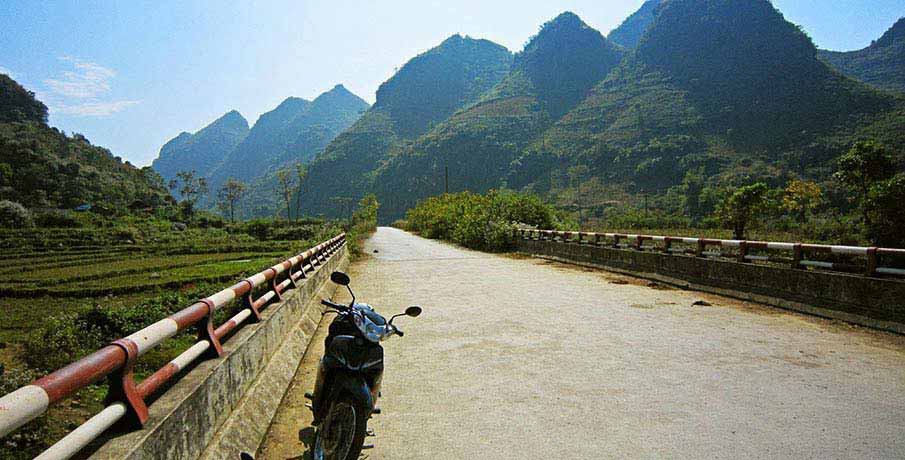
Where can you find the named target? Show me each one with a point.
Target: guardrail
(126, 397)
(740, 250)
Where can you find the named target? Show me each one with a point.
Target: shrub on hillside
(62, 339)
(14, 215)
(56, 218)
(259, 228)
(65, 338)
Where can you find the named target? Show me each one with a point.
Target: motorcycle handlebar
(333, 305)
(398, 331)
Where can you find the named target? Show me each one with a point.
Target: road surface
(518, 358)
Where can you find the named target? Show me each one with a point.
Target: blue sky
(130, 75)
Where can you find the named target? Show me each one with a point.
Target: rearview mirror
(413, 311)
(340, 278)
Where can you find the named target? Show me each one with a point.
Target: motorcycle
(349, 376)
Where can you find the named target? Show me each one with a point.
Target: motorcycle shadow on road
(306, 437)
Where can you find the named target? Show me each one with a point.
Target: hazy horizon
(132, 76)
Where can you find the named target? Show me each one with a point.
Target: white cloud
(88, 80)
(8, 72)
(93, 109)
(77, 92)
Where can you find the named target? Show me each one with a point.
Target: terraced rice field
(37, 284)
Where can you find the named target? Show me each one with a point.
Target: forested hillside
(41, 167)
(881, 64)
(203, 151)
(425, 91)
(549, 77)
(713, 85)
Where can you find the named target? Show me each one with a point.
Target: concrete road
(518, 358)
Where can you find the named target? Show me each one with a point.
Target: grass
(107, 267)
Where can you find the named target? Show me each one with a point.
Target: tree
(862, 167)
(190, 188)
(365, 215)
(286, 189)
(692, 186)
(885, 207)
(741, 206)
(229, 195)
(14, 215)
(301, 173)
(801, 197)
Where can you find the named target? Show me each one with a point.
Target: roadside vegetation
(485, 222)
(859, 205)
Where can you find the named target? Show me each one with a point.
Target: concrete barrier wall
(225, 405)
(873, 302)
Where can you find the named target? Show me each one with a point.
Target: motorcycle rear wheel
(342, 433)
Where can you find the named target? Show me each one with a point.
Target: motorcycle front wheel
(342, 433)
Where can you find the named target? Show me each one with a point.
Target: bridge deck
(523, 359)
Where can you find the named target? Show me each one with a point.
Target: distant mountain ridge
(426, 90)
(882, 64)
(294, 132)
(203, 151)
(629, 33)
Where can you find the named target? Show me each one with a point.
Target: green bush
(207, 220)
(484, 222)
(363, 223)
(14, 215)
(126, 234)
(65, 338)
(259, 228)
(56, 218)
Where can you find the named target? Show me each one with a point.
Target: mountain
(294, 132)
(203, 151)
(425, 91)
(555, 71)
(713, 84)
(629, 33)
(42, 167)
(881, 64)
(268, 137)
